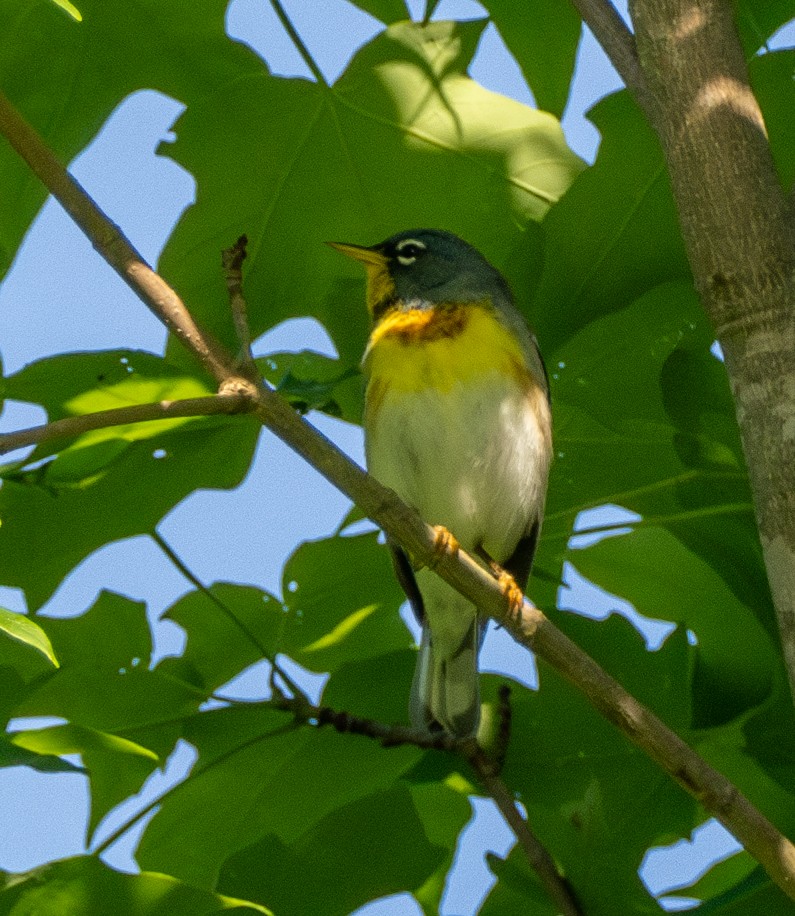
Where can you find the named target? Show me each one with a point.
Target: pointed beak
(380, 286)
(370, 256)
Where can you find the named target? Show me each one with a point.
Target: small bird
(457, 422)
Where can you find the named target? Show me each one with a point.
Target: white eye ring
(411, 256)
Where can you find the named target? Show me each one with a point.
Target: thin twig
(298, 42)
(232, 263)
(67, 427)
(618, 43)
(530, 627)
(555, 885)
(504, 722)
(179, 563)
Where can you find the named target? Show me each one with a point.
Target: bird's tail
(445, 692)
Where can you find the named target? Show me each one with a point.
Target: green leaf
(75, 384)
(444, 809)
(517, 888)
(614, 235)
(755, 894)
(722, 877)
(388, 677)
(599, 416)
(69, 8)
(660, 679)
(158, 465)
(248, 631)
(13, 687)
(770, 735)
(544, 45)
(67, 79)
(24, 645)
(230, 786)
(12, 755)
(404, 127)
(725, 748)
(386, 10)
(772, 81)
(342, 601)
(381, 830)
(758, 21)
(259, 774)
(595, 800)
(310, 381)
(84, 886)
(113, 633)
(117, 767)
(648, 568)
(72, 384)
(104, 682)
(644, 419)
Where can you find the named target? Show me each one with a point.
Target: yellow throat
(413, 349)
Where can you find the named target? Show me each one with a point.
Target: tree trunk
(740, 235)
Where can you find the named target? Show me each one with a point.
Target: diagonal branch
(618, 43)
(122, 416)
(530, 626)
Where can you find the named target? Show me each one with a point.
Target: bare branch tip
(232, 258)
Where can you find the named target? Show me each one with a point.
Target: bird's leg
(507, 583)
(443, 544)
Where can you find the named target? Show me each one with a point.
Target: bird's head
(423, 268)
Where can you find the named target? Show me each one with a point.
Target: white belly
(474, 459)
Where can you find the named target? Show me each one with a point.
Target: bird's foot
(512, 592)
(444, 544)
(507, 583)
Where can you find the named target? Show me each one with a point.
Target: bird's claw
(444, 544)
(512, 592)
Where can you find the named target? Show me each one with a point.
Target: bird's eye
(409, 250)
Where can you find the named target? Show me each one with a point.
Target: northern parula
(457, 422)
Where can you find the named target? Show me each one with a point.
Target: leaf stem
(649, 521)
(298, 42)
(179, 563)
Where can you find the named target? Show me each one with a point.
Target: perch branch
(122, 416)
(530, 626)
